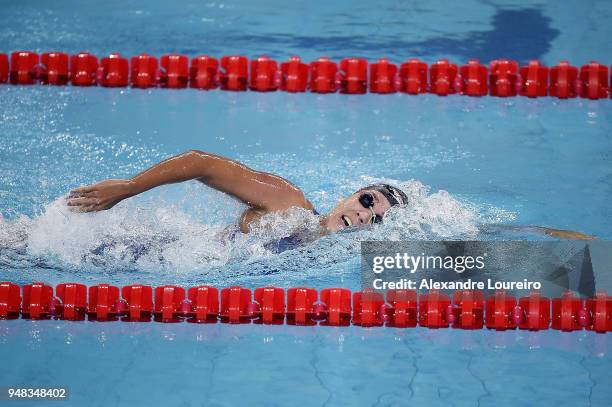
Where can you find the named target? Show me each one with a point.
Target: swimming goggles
(366, 200)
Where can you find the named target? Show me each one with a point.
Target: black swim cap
(394, 195)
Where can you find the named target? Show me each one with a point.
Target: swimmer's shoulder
(253, 214)
(298, 200)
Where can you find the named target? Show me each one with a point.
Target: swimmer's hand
(101, 196)
(566, 234)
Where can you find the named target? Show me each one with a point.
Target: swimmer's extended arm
(563, 234)
(259, 190)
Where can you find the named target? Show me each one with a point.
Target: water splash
(430, 216)
(153, 237)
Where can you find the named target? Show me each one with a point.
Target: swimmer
(262, 192)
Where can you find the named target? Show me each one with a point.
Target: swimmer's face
(352, 212)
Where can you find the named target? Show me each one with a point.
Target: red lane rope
(465, 309)
(502, 78)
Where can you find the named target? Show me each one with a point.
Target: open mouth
(346, 220)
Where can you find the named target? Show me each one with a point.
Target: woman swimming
(262, 192)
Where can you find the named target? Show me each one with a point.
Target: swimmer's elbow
(194, 154)
(199, 164)
(214, 170)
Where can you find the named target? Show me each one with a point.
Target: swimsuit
(286, 243)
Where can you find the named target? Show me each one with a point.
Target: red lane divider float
(443, 78)
(323, 76)
(104, 303)
(83, 69)
(301, 306)
(435, 310)
(600, 311)
(383, 77)
(402, 308)
(38, 301)
(54, 68)
(369, 309)
(265, 76)
(465, 309)
(10, 300)
(4, 68)
(23, 68)
(202, 304)
(204, 73)
(137, 304)
(412, 77)
(271, 305)
(336, 307)
(473, 79)
(468, 310)
(144, 71)
(563, 81)
(234, 73)
(533, 80)
(593, 81)
(174, 73)
(353, 76)
(502, 78)
(169, 302)
(72, 301)
(499, 312)
(113, 71)
(236, 305)
(294, 75)
(533, 312)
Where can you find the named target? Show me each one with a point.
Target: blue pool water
(464, 162)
